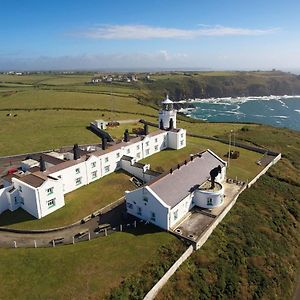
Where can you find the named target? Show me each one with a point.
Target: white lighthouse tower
(167, 115)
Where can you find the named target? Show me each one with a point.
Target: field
(253, 254)
(244, 168)
(86, 270)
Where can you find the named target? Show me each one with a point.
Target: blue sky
(215, 34)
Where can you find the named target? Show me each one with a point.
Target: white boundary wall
(156, 288)
(273, 162)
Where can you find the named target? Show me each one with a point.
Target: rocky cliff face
(231, 84)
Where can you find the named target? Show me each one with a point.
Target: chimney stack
(104, 143)
(42, 164)
(126, 136)
(146, 129)
(171, 171)
(178, 166)
(76, 152)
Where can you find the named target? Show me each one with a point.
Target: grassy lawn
(32, 98)
(78, 204)
(244, 167)
(42, 130)
(85, 270)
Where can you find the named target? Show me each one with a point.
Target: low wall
(273, 162)
(203, 238)
(103, 210)
(156, 288)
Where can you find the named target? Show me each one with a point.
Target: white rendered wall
(201, 198)
(134, 150)
(13, 198)
(93, 165)
(181, 209)
(69, 176)
(3, 199)
(135, 171)
(177, 140)
(137, 199)
(30, 197)
(57, 195)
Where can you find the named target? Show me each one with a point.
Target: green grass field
(85, 270)
(244, 168)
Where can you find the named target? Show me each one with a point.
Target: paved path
(114, 218)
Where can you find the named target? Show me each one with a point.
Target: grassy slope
(85, 271)
(254, 253)
(263, 271)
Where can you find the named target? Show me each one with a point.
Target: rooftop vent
(146, 129)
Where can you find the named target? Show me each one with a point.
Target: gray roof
(172, 188)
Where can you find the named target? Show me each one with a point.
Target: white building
(40, 190)
(167, 115)
(166, 200)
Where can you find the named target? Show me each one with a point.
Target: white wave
(297, 110)
(241, 100)
(281, 117)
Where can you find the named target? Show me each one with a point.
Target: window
(106, 159)
(147, 151)
(175, 215)
(50, 191)
(106, 169)
(147, 143)
(77, 171)
(153, 217)
(16, 200)
(128, 151)
(156, 140)
(156, 148)
(181, 135)
(139, 211)
(94, 174)
(164, 144)
(21, 200)
(51, 203)
(209, 201)
(129, 205)
(20, 189)
(138, 147)
(118, 154)
(181, 143)
(93, 164)
(78, 181)
(138, 155)
(145, 199)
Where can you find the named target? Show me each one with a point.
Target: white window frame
(77, 171)
(94, 174)
(106, 169)
(93, 164)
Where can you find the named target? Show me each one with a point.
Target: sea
(278, 111)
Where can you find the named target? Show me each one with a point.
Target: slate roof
(32, 180)
(172, 188)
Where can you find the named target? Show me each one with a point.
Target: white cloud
(140, 32)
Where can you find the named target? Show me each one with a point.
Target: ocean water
(272, 110)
